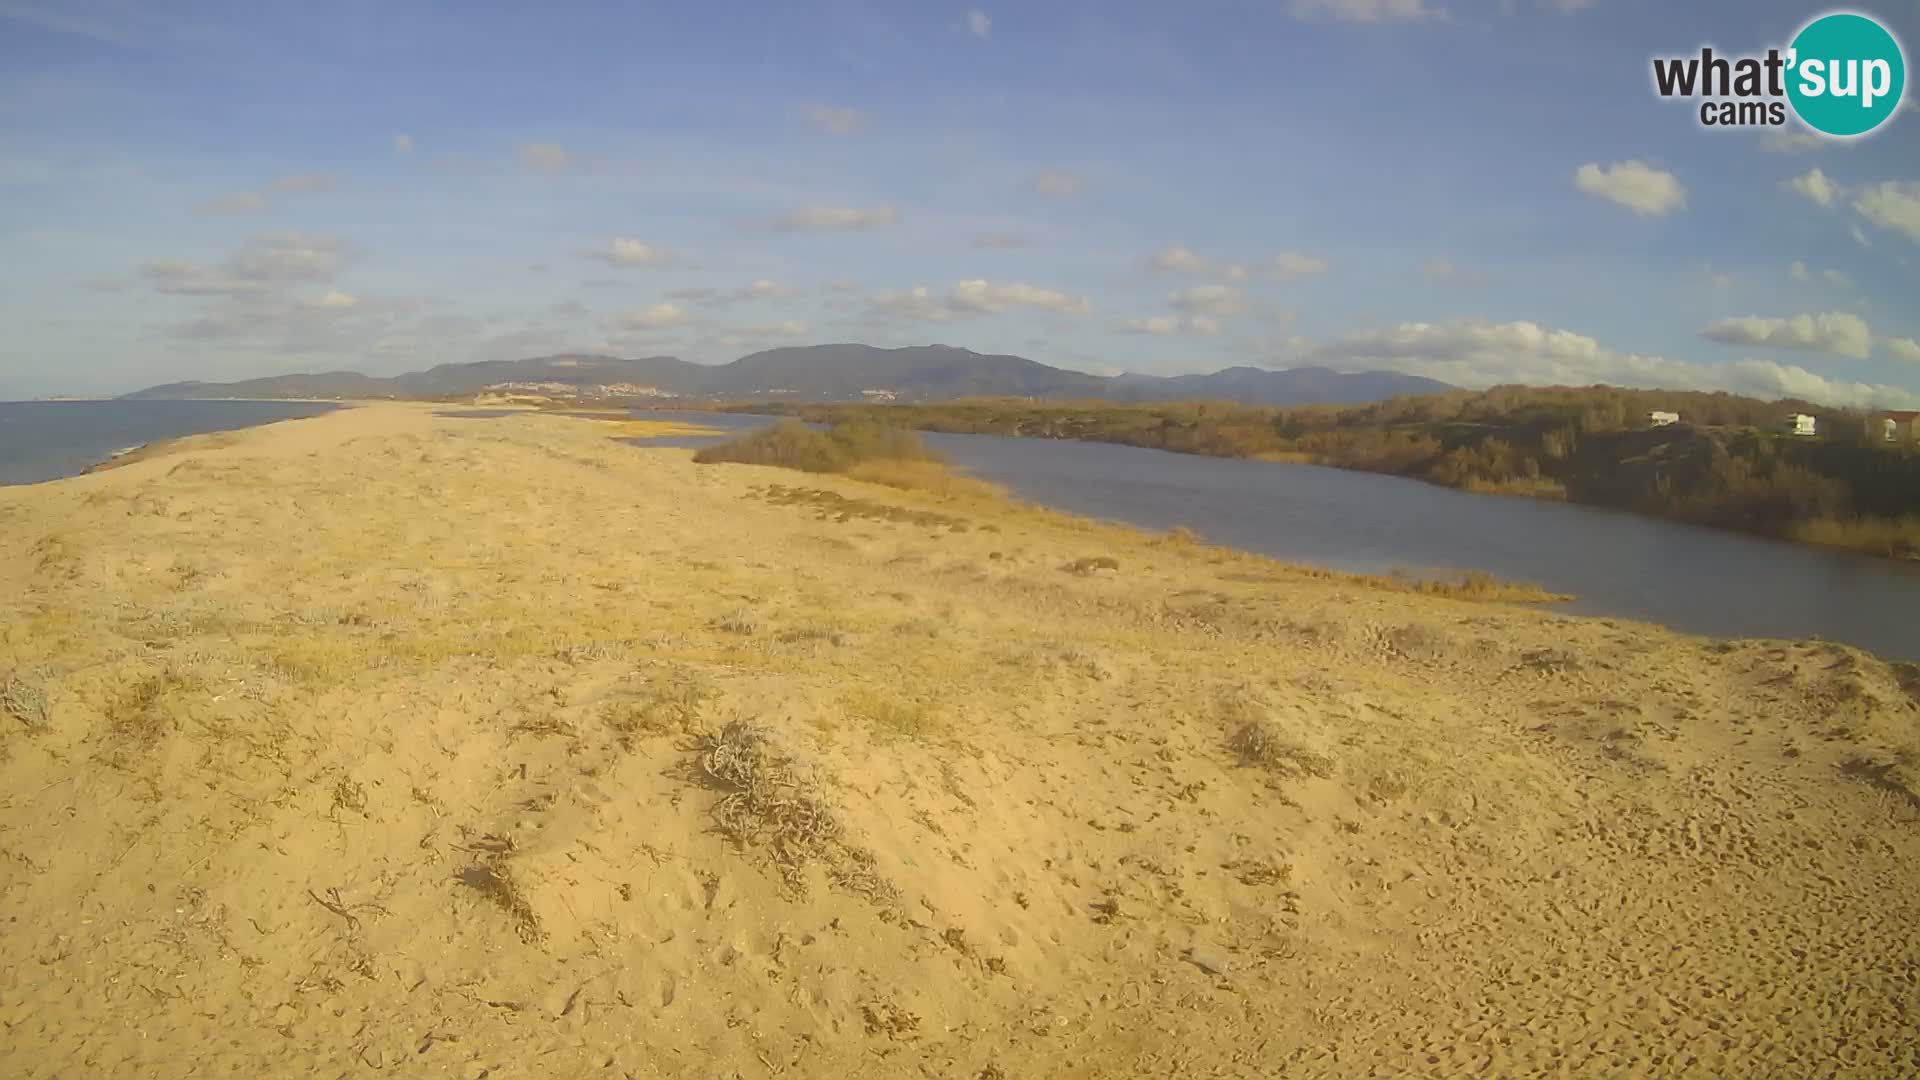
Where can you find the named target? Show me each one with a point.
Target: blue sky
(1479, 190)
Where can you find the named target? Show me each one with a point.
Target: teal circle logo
(1846, 74)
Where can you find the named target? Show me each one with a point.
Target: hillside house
(1895, 426)
(1662, 419)
(1802, 424)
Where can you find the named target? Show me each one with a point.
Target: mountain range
(822, 373)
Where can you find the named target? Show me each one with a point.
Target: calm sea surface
(46, 440)
(1701, 580)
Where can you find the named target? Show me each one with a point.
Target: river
(1696, 579)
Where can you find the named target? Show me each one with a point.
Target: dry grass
(833, 506)
(1539, 487)
(768, 805)
(671, 706)
(1897, 538)
(888, 716)
(136, 720)
(1090, 564)
(930, 477)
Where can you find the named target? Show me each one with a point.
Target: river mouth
(1691, 578)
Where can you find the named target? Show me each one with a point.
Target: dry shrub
(1091, 564)
(1417, 641)
(25, 702)
(1259, 742)
(1897, 773)
(739, 621)
(793, 445)
(493, 878)
(768, 805)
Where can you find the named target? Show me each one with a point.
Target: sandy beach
(391, 743)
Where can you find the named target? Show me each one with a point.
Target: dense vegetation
(878, 453)
(1725, 464)
(835, 450)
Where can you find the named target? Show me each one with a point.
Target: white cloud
(1901, 348)
(264, 263)
(986, 297)
(1291, 266)
(656, 317)
(1791, 141)
(839, 217)
(1477, 353)
(1639, 187)
(789, 330)
(976, 297)
(763, 289)
(303, 183)
(1440, 268)
(1365, 11)
(1831, 276)
(290, 256)
(1815, 185)
(1178, 260)
(240, 202)
(182, 277)
(979, 23)
(1860, 236)
(546, 158)
(1235, 272)
(1838, 332)
(1055, 182)
(836, 121)
(403, 144)
(998, 241)
(1893, 206)
(1217, 300)
(626, 251)
(1201, 325)
(334, 298)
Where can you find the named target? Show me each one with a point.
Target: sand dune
(386, 743)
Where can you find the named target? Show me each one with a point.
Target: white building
(1662, 419)
(1802, 424)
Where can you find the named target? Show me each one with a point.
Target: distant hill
(843, 372)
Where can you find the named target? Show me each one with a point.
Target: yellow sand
(372, 747)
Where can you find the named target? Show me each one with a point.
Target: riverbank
(495, 746)
(1544, 443)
